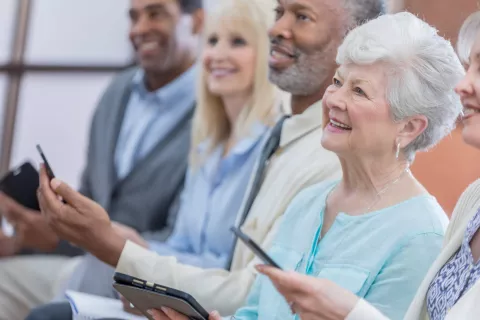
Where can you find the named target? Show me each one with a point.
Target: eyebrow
(149, 7)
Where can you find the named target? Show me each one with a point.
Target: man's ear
(198, 19)
(410, 129)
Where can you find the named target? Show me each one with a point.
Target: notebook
(91, 307)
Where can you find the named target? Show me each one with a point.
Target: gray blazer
(146, 199)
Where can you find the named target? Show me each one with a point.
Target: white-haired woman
(377, 231)
(451, 288)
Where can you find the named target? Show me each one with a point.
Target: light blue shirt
(381, 256)
(150, 116)
(210, 202)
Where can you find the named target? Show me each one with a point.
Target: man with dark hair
(136, 162)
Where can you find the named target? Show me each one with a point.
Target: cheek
(247, 64)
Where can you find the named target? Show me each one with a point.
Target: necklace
(385, 189)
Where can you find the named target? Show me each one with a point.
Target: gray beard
(303, 78)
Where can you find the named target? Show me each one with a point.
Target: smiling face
(304, 41)
(356, 114)
(160, 33)
(469, 91)
(229, 59)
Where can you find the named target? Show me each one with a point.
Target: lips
(337, 124)
(469, 111)
(281, 57)
(220, 72)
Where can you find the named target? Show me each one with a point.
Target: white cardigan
(468, 306)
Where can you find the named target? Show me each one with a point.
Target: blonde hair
(467, 36)
(251, 19)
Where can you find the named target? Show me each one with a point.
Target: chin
(471, 136)
(330, 145)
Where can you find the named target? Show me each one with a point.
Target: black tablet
(21, 185)
(145, 295)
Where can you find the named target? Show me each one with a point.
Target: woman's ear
(410, 129)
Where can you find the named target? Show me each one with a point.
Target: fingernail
(215, 314)
(150, 312)
(259, 268)
(55, 183)
(165, 310)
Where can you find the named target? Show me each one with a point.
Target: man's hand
(169, 314)
(129, 234)
(80, 220)
(31, 228)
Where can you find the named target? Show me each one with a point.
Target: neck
(233, 106)
(300, 103)
(370, 176)
(156, 79)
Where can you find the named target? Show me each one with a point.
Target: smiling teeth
(340, 125)
(469, 111)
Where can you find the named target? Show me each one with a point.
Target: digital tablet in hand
(146, 295)
(21, 185)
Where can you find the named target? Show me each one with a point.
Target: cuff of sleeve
(365, 311)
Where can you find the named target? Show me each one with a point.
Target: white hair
(467, 36)
(423, 71)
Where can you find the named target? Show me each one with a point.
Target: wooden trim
(22, 68)
(13, 87)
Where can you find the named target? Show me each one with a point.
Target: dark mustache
(278, 42)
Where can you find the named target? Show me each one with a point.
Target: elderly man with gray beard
(304, 41)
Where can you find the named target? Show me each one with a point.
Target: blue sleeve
(250, 310)
(395, 286)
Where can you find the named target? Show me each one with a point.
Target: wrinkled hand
(311, 298)
(127, 307)
(129, 233)
(31, 229)
(169, 314)
(80, 220)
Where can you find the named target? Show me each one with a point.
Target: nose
(281, 29)
(465, 86)
(336, 99)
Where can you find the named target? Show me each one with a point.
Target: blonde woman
(236, 106)
(451, 288)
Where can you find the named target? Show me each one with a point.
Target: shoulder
(423, 215)
(467, 205)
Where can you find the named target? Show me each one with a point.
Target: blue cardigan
(381, 256)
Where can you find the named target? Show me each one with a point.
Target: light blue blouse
(381, 256)
(210, 202)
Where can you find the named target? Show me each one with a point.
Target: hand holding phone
(255, 248)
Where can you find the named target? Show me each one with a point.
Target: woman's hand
(169, 314)
(311, 298)
(80, 220)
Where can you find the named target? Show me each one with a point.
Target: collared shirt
(210, 203)
(150, 116)
(456, 277)
(381, 256)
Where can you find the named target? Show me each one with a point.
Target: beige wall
(448, 169)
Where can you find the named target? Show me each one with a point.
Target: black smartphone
(45, 161)
(21, 185)
(254, 247)
(146, 295)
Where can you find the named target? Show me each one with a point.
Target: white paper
(90, 307)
